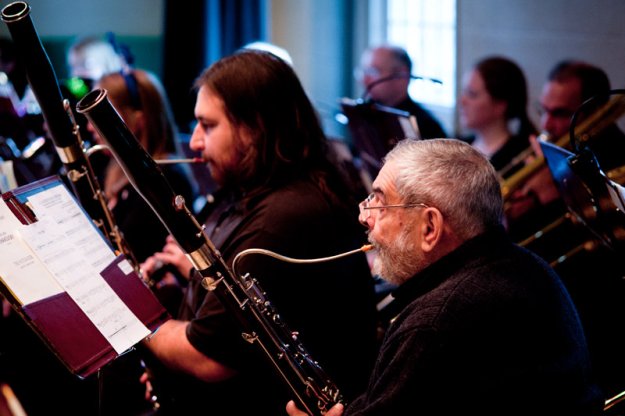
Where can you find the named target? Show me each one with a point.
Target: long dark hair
(262, 94)
(504, 80)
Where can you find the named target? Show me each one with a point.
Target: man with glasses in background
(279, 191)
(594, 274)
(484, 326)
(569, 84)
(385, 73)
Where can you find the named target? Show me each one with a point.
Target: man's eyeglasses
(361, 72)
(365, 206)
(372, 72)
(558, 112)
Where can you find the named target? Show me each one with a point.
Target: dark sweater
(488, 329)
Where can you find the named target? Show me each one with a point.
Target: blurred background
(325, 38)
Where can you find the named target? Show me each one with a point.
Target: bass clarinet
(241, 295)
(61, 126)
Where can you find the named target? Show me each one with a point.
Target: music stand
(592, 198)
(375, 130)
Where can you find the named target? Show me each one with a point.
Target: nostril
(364, 220)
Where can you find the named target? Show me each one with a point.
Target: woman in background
(493, 106)
(140, 100)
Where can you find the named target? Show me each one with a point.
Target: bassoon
(61, 125)
(241, 295)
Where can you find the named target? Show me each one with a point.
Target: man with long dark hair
(266, 150)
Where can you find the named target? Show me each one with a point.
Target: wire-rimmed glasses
(366, 207)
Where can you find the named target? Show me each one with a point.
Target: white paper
(20, 269)
(8, 222)
(58, 206)
(75, 253)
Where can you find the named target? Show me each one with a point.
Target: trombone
(604, 116)
(599, 120)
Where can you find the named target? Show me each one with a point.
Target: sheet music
(74, 252)
(20, 269)
(58, 206)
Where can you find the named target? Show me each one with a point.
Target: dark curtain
(241, 23)
(210, 29)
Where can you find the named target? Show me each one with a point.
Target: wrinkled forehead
(385, 185)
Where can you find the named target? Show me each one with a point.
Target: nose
(547, 123)
(364, 219)
(197, 142)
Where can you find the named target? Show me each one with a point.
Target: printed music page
(20, 270)
(75, 253)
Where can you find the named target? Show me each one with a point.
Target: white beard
(399, 260)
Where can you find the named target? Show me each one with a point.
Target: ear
(432, 229)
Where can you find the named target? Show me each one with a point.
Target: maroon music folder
(58, 320)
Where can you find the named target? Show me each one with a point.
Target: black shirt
(330, 304)
(504, 157)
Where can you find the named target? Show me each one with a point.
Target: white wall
(535, 33)
(86, 17)
(314, 33)
(539, 33)
(137, 23)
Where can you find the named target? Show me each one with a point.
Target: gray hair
(452, 176)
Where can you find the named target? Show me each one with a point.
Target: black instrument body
(242, 296)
